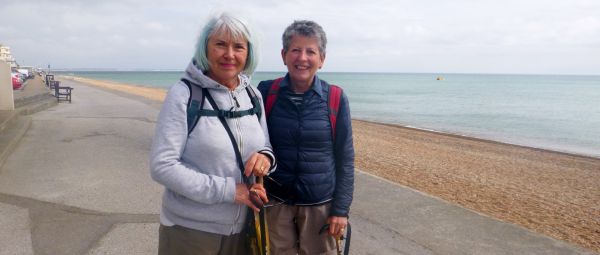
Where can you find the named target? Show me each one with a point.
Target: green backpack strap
(238, 154)
(195, 106)
(255, 102)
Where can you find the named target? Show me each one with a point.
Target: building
(6, 56)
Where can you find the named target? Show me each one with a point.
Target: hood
(196, 76)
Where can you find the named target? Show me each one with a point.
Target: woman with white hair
(211, 140)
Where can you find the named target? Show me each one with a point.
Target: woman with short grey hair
(311, 133)
(211, 141)
(305, 28)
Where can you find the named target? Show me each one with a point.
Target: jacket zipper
(236, 121)
(235, 106)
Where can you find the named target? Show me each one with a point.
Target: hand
(337, 225)
(255, 197)
(258, 195)
(258, 164)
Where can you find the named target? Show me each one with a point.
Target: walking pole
(265, 225)
(260, 220)
(257, 225)
(338, 245)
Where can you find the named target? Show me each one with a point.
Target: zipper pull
(236, 102)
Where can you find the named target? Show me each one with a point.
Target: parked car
(16, 82)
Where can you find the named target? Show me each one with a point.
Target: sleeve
(344, 157)
(168, 145)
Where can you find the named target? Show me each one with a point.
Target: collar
(316, 85)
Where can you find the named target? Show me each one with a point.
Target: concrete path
(78, 183)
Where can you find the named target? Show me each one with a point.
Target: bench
(52, 83)
(49, 77)
(61, 93)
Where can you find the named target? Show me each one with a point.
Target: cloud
(387, 36)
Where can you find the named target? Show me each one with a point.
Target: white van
(25, 72)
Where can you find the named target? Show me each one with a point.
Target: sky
(426, 36)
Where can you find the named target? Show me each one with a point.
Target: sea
(555, 112)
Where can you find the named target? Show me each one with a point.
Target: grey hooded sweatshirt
(199, 170)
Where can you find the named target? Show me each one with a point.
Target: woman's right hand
(255, 197)
(258, 164)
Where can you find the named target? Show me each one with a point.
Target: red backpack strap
(335, 97)
(272, 95)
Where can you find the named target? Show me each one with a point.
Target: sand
(555, 194)
(157, 94)
(552, 193)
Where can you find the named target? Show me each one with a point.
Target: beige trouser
(295, 230)
(178, 240)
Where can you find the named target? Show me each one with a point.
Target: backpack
(196, 104)
(333, 102)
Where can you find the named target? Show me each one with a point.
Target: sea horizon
(550, 112)
(63, 70)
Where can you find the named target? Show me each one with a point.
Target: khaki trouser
(295, 230)
(178, 240)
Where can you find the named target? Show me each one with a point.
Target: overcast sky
(460, 36)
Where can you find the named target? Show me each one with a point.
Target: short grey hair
(239, 29)
(305, 28)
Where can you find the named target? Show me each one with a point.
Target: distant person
(207, 193)
(314, 181)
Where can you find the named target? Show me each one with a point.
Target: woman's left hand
(254, 196)
(258, 164)
(337, 225)
(258, 195)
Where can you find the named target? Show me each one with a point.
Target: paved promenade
(78, 183)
